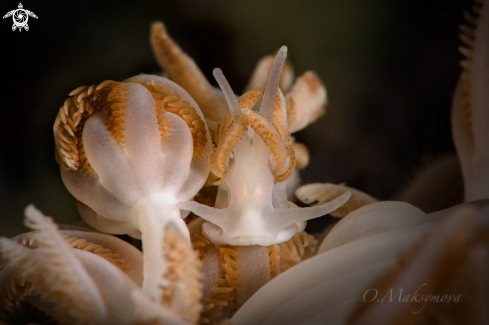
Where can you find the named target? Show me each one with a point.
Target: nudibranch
(253, 160)
(470, 111)
(130, 152)
(253, 233)
(305, 97)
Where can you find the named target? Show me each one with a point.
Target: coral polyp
(129, 152)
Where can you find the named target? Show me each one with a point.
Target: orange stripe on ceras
(270, 136)
(114, 106)
(288, 172)
(233, 134)
(166, 101)
(249, 99)
(231, 138)
(69, 124)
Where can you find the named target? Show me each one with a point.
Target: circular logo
(20, 17)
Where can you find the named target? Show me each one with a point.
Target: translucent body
(251, 206)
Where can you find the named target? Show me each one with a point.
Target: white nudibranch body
(129, 152)
(251, 207)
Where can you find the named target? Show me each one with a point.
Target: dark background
(390, 68)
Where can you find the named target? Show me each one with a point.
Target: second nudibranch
(130, 152)
(254, 158)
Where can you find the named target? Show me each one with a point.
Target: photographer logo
(20, 17)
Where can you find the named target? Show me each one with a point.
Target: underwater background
(390, 68)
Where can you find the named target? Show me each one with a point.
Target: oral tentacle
(268, 100)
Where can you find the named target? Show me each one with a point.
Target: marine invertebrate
(470, 125)
(88, 275)
(320, 193)
(74, 277)
(252, 161)
(182, 69)
(252, 223)
(154, 132)
(330, 285)
(444, 272)
(456, 236)
(305, 98)
(470, 116)
(251, 207)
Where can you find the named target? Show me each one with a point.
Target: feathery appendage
(470, 109)
(148, 312)
(48, 274)
(306, 101)
(81, 277)
(180, 68)
(117, 252)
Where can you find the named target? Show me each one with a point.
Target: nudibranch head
(123, 144)
(254, 158)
